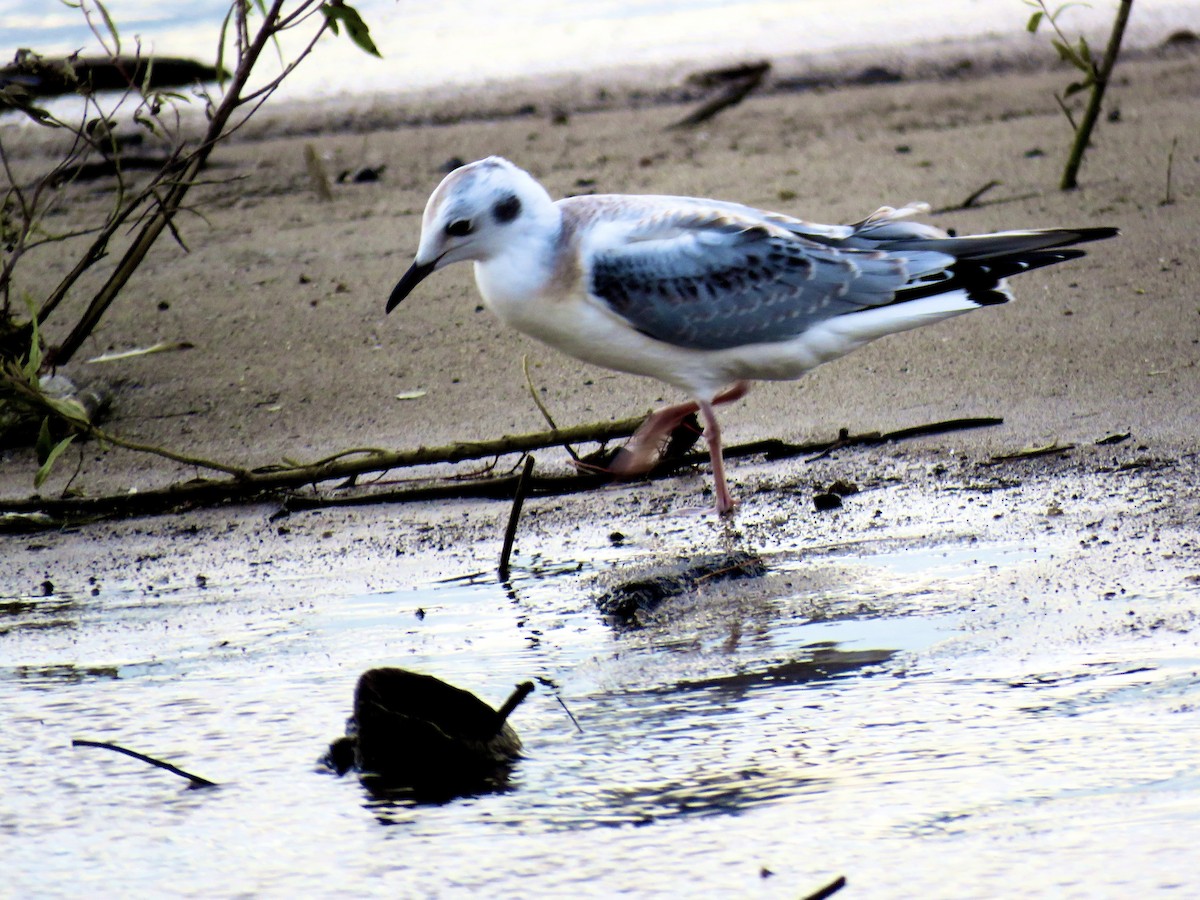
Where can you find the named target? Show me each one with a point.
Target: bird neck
(525, 265)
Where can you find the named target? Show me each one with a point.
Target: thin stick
(574, 721)
(1169, 198)
(196, 780)
(1031, 453)
(537, 401)
(828, 890)
(973, 199)
(514, 516)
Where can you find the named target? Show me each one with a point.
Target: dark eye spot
(507, 209)
(459, 228)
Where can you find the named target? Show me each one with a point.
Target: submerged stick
(196, 780)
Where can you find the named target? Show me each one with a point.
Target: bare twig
(1066, 111)
(1168, 197)
(974, 198)
(196, 780)
(1032, 453)
(537, 401)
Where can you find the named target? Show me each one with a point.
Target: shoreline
(641, 87)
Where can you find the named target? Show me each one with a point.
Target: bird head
(473, 215)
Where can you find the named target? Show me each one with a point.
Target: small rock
(827, 501)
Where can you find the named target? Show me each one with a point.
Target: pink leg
(712, 434)
(641, 453)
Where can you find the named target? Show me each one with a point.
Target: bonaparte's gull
(703, 294)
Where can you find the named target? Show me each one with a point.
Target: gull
(707, 295)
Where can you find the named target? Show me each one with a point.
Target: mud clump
(631, 604)
(416, 734)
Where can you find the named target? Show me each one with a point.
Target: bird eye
(507, 209)
(459, 228)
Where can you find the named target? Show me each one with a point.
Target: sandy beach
(281, 295)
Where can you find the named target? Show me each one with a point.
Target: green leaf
(34, 362)
(44, 444)
(1034, 21)
(44, 472)
(146, 122)
(1076, 86)
(1062, 9)
(222, 75)
(1066, 52)
(356, 28)
(70, 409)
(112, 28)
(18, 98)
(1085, 52)
(147, 75)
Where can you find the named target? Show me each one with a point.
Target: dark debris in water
(629, 605)
(823, 663)
(416, 735)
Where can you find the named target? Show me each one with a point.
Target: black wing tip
(1102, 233)
(988, 296)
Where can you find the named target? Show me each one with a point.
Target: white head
(475, 213)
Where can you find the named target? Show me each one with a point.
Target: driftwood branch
(735, 84)
(261, 483)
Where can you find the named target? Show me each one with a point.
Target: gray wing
(722, 280)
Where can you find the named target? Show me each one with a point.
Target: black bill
(414, 276)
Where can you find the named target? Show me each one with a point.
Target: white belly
(588, 330)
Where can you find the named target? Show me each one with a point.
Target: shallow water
(892, 713)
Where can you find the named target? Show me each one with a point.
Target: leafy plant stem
(1091, 113)
(173, 198)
